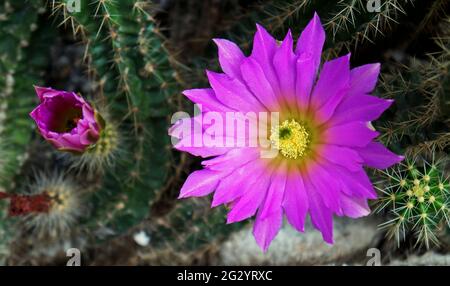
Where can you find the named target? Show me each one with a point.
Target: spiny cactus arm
(120, 19)
(100, 56)
(20, 67)
(27, 57)
(416, 198)
(138, 102)
(420, 90)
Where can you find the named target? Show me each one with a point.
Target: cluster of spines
(417, 200)
(348, 22)
(420, 89)
(65, 205)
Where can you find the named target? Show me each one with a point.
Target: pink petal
(207, 98)
(200, 183)
(312, 39)
(363, 79)
(237, 129)
(354, 207)
(232, 159)
(264, 47)
(265, 229)
(334, 78)
(71, 141)
(230, 57)
(40, 91)
(345, 157)
(187, 144)
(306, 71)
(321, 215)
(309, 51)
(354, 134)
(326, 186)
(77, 97)
(255, 79)
(186, 126)
(375, 155)
(251, 200)
(233, 93)
(270, 216)
(88, 114)
(275, 194)
(359, 108)
(89, 136)
(295, 201)
(329, 108)
(54, 142)
(355, 184)
(285, 66)
(236, 183)
(35, 113)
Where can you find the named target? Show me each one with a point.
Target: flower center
(291, 138)
(64, 120)
(71, 123)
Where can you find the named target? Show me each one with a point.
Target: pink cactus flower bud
(66, 120)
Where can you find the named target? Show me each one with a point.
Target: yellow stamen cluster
(291, 138)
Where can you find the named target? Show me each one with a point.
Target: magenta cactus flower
(324, 137)
(66, 120)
